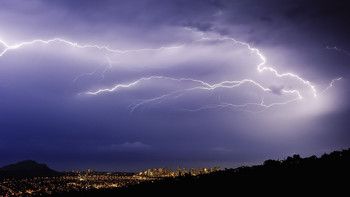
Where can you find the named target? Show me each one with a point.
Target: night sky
(129, 85)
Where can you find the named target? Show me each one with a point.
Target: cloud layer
(130, 85)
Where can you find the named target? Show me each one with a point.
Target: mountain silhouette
(27, 168)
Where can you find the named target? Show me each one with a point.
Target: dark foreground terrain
(294, 175)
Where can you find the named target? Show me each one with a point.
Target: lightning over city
(120, 93)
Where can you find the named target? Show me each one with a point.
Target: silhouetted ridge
(27, 168)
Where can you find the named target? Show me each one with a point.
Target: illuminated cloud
(187, 53)
(251, 77)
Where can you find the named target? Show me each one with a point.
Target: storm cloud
(179, 81)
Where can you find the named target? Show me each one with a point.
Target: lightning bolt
(340, 50)
(85, 74)
(261, 67)
(97, 71)
(8, 47)
(331, 84)
(243, 107)
(199, 84)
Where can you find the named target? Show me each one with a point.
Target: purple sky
(128, 85)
